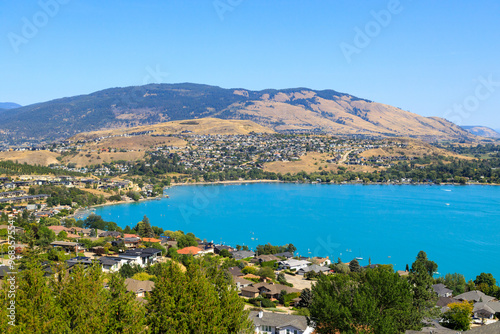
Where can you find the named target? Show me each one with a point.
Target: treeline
(199, 299)
(434, 170)
(60, 195)
(13, 168)
(268, 249)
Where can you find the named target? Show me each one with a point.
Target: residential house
(242, 254)
(474, 296)
(278, 323)
(268, 290)
(313, 267)
(191, 250)
(241, 283)
(111, 264)
(58, 229)
(153, 240)
(322, 261)
(293, 264)
(235, 271)
(139, 288)
(486, 310)
(264, 258)
(141, 257)
(113, 234)
(131, 242)
(67, 246)
(286, 255)
(3, 271)
(219, 248)
(442, 291)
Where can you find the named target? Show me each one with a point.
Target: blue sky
(434, 58)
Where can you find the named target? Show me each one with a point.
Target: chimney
(261, 314)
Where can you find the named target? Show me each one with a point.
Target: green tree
(195, 302)
(455, 282)
(266, 272)
(375, 301)
(458, 317)
(354, 266)
(305, 298)
(125, 312)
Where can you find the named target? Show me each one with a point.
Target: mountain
(9, 105)
(483, 131)
(286, 110)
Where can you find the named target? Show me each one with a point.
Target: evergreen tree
(126, 315)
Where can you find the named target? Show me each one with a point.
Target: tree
(375, 301)
(431, 266)
(266, 272)
(305, 298)
(458, 317)
(224, 253)
(126, 314)
(455, 282)
(201, 300)
(354, 266)
(421, 283)
(186, 241)
(485, 278)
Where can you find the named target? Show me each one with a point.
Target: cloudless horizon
(431, 58)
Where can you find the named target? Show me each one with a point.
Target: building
(141, 257)
(277, 323)
(293, 264)
(442, 291)
(67, 246)
(240, 255)
(139, 288)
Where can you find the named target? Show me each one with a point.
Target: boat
(359, 258)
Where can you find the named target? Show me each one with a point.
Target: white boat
(359, 258)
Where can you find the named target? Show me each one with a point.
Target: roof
(475, 296)
(126, 235)
(142, 252)
(235, 271)
(294, 262)
(494, 306)
(444, 301)
(313, 267)
(150, 240)
(138, 286)
(266, 258)
(239, 255)
(189, 250)
(242, 281)
(284, 254)
(489, 329)
(441, 289)
(274, 288)
(278, 320)
(3, 271)
(108, 260)
(64, 243)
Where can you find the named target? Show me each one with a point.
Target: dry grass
(43, 158)
(196, 126)
(94, 158)
(309, 163)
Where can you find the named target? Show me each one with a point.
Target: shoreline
(234, 182)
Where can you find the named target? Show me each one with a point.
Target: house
(240, 255)
(403, 273)
(219, 248)
(313, 267)
(474, 296)
(442, 291)
(286, 255)
(141, 257)
(58, 229)
(81, 260)
(242, 283)
(235, 271)
(322, 261)
(127, 235)
(153, 240)
(191, 250)
(267, 290)
(486, 310)
(131, 242)
(113, 234)
(293, 264)
(265, 258)
(266, 322)
(139, 288)
(3, 271)
(67, 246)
(111, 264)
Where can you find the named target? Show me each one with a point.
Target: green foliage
(202, 300)
(13, 168)
(94, 221)
(458, 317)
(270, 249)
(143, 276)
(186, 240)
(127, 270)
(376, 301)
(354, 266)
(60, 195)
(266, 272)
(262, 302)
(305, 298)
(455, 282)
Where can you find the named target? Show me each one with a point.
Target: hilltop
(287, 110)
(483, 131)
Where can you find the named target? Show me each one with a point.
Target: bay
(457, 226)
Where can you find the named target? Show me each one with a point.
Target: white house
(141, 257)
(277, 323)
(111, 264)
(293, 264)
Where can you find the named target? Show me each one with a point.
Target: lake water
(457, 226)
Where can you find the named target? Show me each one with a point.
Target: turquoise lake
(457, 226)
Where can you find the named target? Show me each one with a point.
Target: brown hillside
(43, 158)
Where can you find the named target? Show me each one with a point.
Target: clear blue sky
(426, 57)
